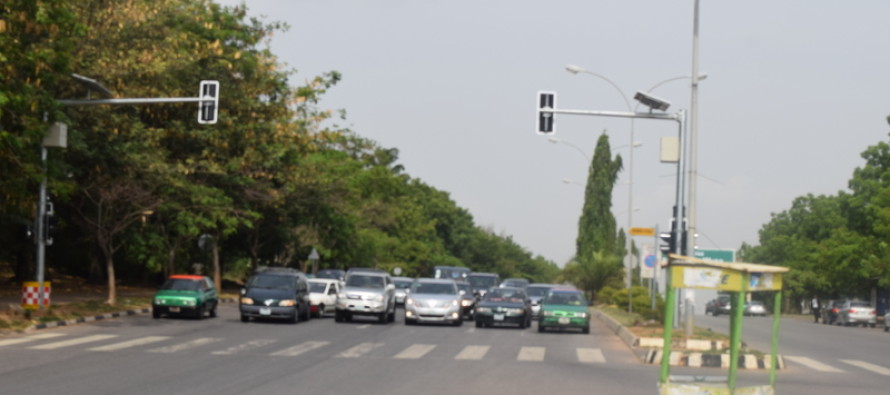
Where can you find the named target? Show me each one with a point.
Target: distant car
(564, 308)
(887, 322)
(854, 312)
(755, 308)
(323, 296)
(402, 285)
(830, 311)
(467, 300)
(504, 305)
(482, 282)
(186, 295)
(536, 292)
(722, 305)
(433, 300)
(515, 282)
(368, 292)
(275, 293)
(336, 274)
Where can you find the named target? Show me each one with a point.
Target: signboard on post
(642, 231)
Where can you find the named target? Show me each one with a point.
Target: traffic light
(667, 248)
(208, 107)
(49, 224)
(545, 122)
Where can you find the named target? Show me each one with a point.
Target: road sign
(545, 123)
(715, 255)
(642, 231)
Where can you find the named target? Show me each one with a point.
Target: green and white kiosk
(739, 279)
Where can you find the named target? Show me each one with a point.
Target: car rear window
(859, 304)
(178, 284)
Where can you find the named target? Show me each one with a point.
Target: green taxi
(564, 308)
(188, 295)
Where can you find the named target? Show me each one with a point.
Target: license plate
(564, 320)
(174, 309)
(498, 317)
(265, 311)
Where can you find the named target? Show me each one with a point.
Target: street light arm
(577, 69)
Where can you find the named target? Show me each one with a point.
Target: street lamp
(556, 140)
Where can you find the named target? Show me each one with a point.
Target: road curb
(691, 359)
(56, 324)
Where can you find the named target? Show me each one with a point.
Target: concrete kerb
(649, 350)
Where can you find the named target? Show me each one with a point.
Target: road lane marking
(299, 349)
(473, 353)
(359, 350)
(365, 326)
(590, 355)
(471, 330)
(130, 343)
(416, 351)
(185, 346)
(531, 354)
(73, 342)
(244, 347)
(27, 339)
(812, 364)
(868, 366)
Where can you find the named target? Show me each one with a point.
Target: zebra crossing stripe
(185, 346)
(20, 340)
(416, 351)
(812, 364)
(868, 366)
(531, 354)
(590, 355)
(473, 353)
(359, 350)
(130, 343)
(73, 342)
(299, 349)
(244, 346)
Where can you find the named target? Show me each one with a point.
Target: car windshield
(180, 284)
(504, 295)
(403, 284)
(520, 283)
(482, 281)
(433, 288)
(272, 282)
(334, 274)
(565, 298)
(859, 304)
(464, 287)
(360, 281)
(317, 287)
(537, 291)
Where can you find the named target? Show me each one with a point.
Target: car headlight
(581, 315)
(287, 302)
(246, 300)
(484, 310)
(189, 302)
(409, 301)
(374, 298)
(465, 302)
(548, 313)
(160, 301)
(516, 311)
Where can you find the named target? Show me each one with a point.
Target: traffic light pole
(40, 230)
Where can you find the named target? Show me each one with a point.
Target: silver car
(368, 292)
(537, 292)
(433, 300)
(402, 285)
(854, 312)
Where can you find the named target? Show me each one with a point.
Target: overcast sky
(795, 91)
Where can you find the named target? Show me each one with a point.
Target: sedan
(433, 300)
(755, 307)
(854, 312)
(187, 295)
(504, 305)
(564, 308)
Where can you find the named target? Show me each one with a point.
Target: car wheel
(585, 330)
(155, 314)
(478, 324)
(391, 317)
(872, 325)
(338, 316)
(459, 322)
(306, 313)
(541, 328)
(886, 328)
(199, 312)
(213, 311)
(244, 318)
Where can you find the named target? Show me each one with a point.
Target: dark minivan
(275, 293)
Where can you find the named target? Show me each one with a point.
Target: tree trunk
(217, 273)
(112, 290)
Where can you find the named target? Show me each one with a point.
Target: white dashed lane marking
(416, 351)
(73, 342)
(131, 343)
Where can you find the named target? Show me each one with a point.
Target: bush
(641, 301)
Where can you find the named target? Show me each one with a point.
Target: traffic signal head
(208, 107)
(670, 243)
(545, 122)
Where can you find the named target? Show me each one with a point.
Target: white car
(323, 296)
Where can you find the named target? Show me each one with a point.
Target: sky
(796, 90)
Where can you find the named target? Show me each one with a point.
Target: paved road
(139, 355)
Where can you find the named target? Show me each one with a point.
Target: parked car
(854, 312)
(402, 285)
(830, 311)
(187, 295)
(482, 282)
(536, 292)
(367, 292)
(433, 300)
(515, 282)
(755, 308)
(467, 300)
(275, 293)
(335, 274)
(564, 308)
(323, 296)
(504, 305)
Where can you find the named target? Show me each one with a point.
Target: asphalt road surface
(140, 355)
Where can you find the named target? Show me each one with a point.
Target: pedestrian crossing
(823, 367)
(106, 343)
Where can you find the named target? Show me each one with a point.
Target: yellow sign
(642, 231)
(724, 279)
